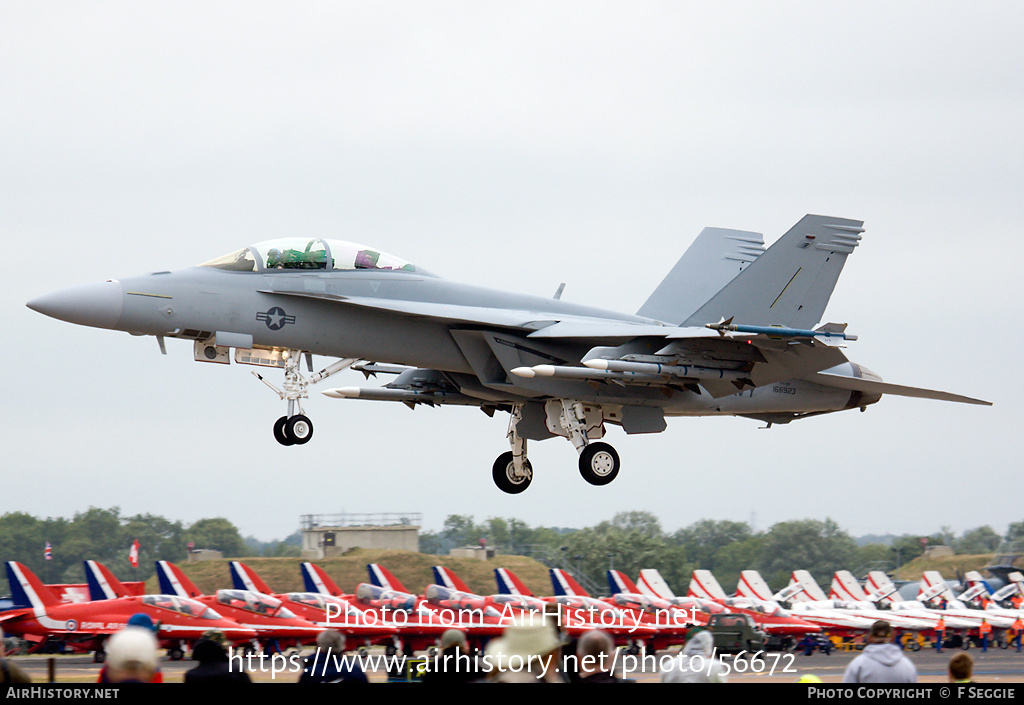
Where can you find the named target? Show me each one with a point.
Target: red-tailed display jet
(478, 621)
(40, 617)
(419, 628)
(588, 611)
(327, 611)
(276, 626)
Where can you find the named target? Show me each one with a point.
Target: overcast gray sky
(515, 145)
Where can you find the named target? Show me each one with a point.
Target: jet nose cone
(97, 305)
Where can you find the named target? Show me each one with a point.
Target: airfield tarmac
(994, 667)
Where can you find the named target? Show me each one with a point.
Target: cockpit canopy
(181, 605)
(254, 602)
(309, 255)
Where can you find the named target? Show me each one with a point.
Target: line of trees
(631, 541)
(106, 536)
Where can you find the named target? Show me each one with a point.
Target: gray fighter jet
(728, 332)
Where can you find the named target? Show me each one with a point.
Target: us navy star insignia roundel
(275, 318)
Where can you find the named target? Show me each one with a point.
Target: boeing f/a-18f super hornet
(729, 331)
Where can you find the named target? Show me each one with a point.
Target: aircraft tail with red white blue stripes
(316, 580)
(448, 578)
(382, 577)
(27, 590)
(619, 583)
(103, 584)
(245, 578)
(510, 584)
(175, 582)
(564, 584)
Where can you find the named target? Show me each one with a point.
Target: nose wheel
(293, 430)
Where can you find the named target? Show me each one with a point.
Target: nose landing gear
(295, 428)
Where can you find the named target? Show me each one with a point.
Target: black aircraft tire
(279, 432)
(299, 429)
(503, 471)
(599, 463)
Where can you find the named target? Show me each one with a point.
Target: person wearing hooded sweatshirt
(882, 661)
(696, 662)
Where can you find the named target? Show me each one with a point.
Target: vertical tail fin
(565, 584)
(618, 582)
(382, 577)
(510, 584)
(28, 591)
(448, 578)
(753, 586)
(245, 578)
(791, 283)
(881, 587)
(652, 584)
(703, 584)
(846, 587)
(174, 582)
(810, 590)
(316, 580)
(103, 585)
(933, 585)
(712, 261)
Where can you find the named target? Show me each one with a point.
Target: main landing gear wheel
(599, 463)
(505, 477)
(293, 430)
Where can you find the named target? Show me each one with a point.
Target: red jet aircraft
(586, 610)
(418, 627)
(41, 617)
(327, 611)
(277, 628)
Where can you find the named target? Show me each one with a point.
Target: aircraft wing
(875, 387)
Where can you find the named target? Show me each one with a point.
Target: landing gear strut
(295, 428)
(512, 472)
(599, 463)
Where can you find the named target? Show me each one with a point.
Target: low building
(330, 535)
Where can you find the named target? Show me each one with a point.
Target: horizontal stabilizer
(874, 387)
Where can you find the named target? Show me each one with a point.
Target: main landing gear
(295, 428)
(598, 461)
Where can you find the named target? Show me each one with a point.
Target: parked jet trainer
(728, 332)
